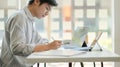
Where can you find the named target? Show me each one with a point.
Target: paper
(65, 52)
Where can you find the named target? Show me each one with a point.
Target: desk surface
(84, 57)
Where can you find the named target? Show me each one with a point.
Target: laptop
(95, 40)
(89, 48)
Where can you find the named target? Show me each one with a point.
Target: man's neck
(30, 7)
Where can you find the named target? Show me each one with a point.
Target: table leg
(44, 64)
(37, 64)
(82, 65)
(70, 64)
(94, 64)
(101, 64)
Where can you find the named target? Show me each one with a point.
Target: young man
(21, 39)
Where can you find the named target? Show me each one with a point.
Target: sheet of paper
(65, 52)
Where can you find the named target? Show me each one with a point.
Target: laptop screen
(96, 39)
(79, 35)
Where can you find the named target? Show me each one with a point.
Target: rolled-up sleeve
(18, 39)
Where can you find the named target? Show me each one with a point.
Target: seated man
(21, 39)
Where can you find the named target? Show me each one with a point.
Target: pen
(52, 38)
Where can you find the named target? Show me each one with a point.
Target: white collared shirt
(20, 39)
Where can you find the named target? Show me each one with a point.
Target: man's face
(42, 10)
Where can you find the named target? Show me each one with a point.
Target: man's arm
(53, 45)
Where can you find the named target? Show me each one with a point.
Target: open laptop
(93, 42)
(89, 48)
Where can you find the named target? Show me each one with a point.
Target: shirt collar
(28, 13)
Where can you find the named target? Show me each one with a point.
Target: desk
(92, 56)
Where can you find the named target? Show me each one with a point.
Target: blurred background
(67, 18)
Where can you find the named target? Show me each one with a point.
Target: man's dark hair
(51, 2)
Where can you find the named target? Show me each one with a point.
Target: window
(1, 13)
(12, 3)
(96, 15)
(70, 15)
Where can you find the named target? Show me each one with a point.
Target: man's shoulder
(19, 14)
(18, 18)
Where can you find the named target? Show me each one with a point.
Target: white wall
(117, 29)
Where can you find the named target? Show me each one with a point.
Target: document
(65, 52)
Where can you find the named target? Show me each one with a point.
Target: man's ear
(37, 2)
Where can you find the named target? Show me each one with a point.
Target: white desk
(85, 57)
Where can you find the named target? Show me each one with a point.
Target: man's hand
(55, 44)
